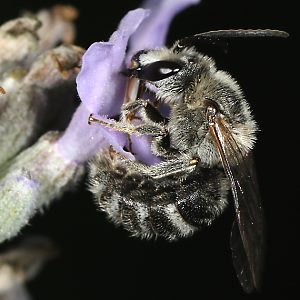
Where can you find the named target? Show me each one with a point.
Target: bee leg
(149, 112)
(139, 130)
(162, 147)
(154, 125)
(182, 166)
(154, 130)
(118, 126)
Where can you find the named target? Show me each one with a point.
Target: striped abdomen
(165, 207)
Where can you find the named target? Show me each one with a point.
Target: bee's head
(168, 73)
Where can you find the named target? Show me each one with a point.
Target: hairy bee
(204, 144)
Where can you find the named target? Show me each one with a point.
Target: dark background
(97, 259)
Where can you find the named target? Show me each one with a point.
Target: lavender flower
(33, 174)
(37, 83)
(99, 83)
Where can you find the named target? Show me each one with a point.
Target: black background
(98, 260)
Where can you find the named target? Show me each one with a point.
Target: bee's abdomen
(147, 207)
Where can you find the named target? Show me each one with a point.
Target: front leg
(154, 130)
(149, 113)
(152, 117)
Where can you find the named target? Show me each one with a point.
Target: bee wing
(248, 245)
(247, 236)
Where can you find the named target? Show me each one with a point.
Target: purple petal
(142, 151)
(153, 31)
(102, 88)
(99, 83)
(81, 141)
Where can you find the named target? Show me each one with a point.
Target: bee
(204, 144)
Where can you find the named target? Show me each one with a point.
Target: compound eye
(158, 70)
